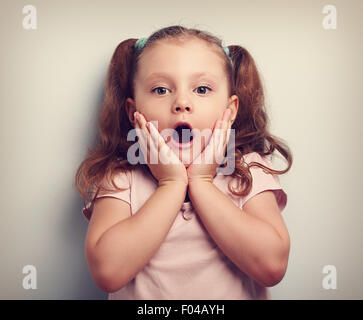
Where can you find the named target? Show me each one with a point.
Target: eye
(159, 90)
(203, 89)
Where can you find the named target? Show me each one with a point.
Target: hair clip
(140, 43)
(226, 50)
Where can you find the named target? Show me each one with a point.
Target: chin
(184, 156)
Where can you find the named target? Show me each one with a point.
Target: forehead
(191, 55)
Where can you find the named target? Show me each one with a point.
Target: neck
(187, 196)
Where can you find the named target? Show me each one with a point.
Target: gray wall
(52, 81)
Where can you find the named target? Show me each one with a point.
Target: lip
(180, 123)
(182, 145)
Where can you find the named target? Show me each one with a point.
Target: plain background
(52, 82)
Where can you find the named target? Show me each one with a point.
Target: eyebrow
(193, 75)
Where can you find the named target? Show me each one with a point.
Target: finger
(227, 114)
(146, 138)
(158, 139)
(142, 140)
(225, 132)
(219, 143)
(228, 134)
(212, 148)
(224, 141)
(226, 120)
(166, 155)
(229, 126)
(225, 145)
(221, 137)
(146, 127)
(142, 121)
(218, 132)
(154, 143)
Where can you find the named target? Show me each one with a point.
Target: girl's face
(182, 81)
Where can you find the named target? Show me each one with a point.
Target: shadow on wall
(74, 230)
(75, 225)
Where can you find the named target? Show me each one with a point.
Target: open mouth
(183, 134)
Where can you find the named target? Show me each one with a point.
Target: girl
(175, 229)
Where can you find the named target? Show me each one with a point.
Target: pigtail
(109, 155)
(118, 86)
(252, 123)
(252, 117)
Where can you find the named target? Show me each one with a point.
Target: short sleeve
(122, 180)
(262, 181)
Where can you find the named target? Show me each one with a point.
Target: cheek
(152, 111)
(215, 112)
(149, 111)
(151, 114)
(208, 120)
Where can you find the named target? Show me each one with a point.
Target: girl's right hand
(162, 161)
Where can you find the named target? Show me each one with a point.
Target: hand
(205, 166)
(162, 161)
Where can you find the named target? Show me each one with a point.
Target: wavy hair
(109, 155)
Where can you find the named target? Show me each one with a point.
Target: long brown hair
(109, 156)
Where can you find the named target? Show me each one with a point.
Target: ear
(233, 104)
(130, 108)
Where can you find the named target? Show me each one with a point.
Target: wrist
(198, 188)
(200, 179)
(173, 183)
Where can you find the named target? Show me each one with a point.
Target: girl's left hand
(205, 166)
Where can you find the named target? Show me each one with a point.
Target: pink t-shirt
(189, 264)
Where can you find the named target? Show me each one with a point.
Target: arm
(124, 247)
(255, 238)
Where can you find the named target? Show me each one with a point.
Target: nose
(182, 105)
(182, 108)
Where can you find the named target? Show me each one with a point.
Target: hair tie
(140, 43)
(226, 50)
